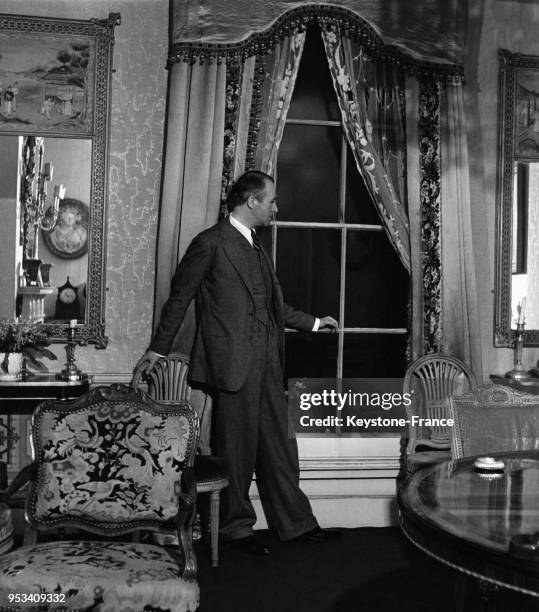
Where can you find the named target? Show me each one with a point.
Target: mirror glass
(62, 244)
(54, 130)
(525, 241)
(517, 228)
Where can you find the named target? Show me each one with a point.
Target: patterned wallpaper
(137, 127)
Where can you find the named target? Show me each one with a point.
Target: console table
(17, 402)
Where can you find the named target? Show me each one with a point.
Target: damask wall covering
(137, 128)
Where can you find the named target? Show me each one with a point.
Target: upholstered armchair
(111, 463)
(431, 380)
(493, 419)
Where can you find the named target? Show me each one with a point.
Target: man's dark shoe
(250, 545)
(318, 535)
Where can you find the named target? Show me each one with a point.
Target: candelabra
(518, 372)
(34, 197)
(71, 372)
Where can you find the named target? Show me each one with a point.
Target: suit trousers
(251, 433)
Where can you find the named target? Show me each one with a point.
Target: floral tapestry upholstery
(109, 462)
(6, 529)
(97, 576)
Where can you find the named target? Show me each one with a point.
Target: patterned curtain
(370, 98)
(280, 72)
(258, 94)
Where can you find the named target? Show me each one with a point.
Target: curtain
(191, 184)
(258, 94)
(369, 98)
(280, 72)
(192, 168)
(460, 312)
(417, 335)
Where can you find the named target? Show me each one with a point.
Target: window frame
(344, 228)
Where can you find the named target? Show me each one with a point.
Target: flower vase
(11, 366)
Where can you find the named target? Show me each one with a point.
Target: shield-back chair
(168, 381)
(431, 380)
(110, 463)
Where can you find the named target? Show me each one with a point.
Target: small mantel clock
(67, 302)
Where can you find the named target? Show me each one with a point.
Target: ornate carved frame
(102, 34)
(510, 63)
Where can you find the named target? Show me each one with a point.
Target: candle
(521, 311)
(73, 323)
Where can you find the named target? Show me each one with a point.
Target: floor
(368, 570)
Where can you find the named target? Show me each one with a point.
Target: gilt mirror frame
(510, 64)
(100, 35)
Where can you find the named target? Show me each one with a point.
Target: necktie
(256, 241)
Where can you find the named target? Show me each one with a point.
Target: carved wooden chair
(110, 463)
(168, 381)
(493, 419)
(431, 380)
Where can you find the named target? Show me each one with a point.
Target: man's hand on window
(328, 323)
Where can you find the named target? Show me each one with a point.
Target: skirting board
(368, 502)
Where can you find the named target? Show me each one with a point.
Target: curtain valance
(356, 27)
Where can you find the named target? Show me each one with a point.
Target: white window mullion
(342, 282)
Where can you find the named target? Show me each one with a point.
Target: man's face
(265, 206)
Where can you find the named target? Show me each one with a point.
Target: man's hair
(250, 183)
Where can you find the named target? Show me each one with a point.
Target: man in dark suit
(238, 351)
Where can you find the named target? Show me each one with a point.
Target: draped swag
(227, 111)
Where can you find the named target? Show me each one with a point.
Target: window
(331, 252)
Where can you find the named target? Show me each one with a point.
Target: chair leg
(214, 527)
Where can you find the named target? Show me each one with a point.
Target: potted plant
(21, 342)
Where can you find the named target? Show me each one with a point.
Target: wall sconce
(36, 175)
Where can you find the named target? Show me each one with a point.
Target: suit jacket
(214, 271)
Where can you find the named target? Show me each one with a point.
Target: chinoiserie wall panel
(139, 86)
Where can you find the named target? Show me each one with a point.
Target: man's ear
(251, 201)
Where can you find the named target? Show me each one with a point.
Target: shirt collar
(243, 229)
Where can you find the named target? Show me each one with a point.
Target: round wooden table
(469, 520)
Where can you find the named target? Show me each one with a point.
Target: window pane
(311, 355)
(308, 269)
(314, 96)
(359, 205)
(374, 355)
(376, 282)
(308, 171)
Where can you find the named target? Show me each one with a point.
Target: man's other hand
(328, 323)
(146, 364)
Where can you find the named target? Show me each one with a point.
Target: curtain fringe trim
(355, 27)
